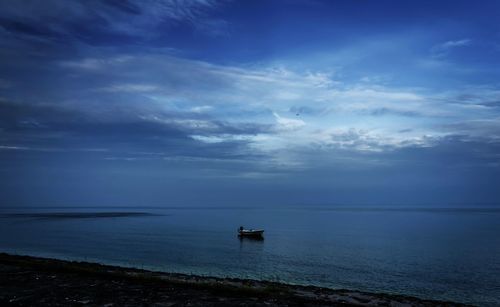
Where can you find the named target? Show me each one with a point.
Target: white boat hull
(251, 233)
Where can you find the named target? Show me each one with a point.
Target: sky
(242, 103)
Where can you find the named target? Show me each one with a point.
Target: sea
(431, 252)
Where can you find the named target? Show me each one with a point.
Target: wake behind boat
(254, 233)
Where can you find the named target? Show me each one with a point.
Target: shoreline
(28, 280)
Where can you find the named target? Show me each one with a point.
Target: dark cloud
(125, 6)
(24, 27)
(71, 158)
(388, 111)
(490, 103)
(485, 97)
(405, 130)
(485, 128)
(305, 110)
(454, 151)
(104, 22)
(48, 126)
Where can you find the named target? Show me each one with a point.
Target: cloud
(59, 129)
(201, 109)
(106, 22)
(453, 44)
(266, 110)
(13, 148)
(213, 27)
(95, 64)
(475, 96)
(443, 49)
(476, 128)
(288, 123)
(130, 88)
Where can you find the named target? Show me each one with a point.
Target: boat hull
(251, 233)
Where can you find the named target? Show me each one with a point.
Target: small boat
(255, 233)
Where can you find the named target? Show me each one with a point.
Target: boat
(254, 233)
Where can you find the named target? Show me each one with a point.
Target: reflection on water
(251, 238)
(251, 244)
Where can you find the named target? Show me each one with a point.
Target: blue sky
(164, 102)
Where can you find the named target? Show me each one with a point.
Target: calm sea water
(439, 253)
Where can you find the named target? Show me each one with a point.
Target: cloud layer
(135, 87)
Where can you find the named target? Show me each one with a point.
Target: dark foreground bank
(29, 281)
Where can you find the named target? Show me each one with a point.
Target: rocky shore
(31, 281)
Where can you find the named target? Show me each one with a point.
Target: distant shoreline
(28, 280)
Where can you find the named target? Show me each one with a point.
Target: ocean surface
(439, 253)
